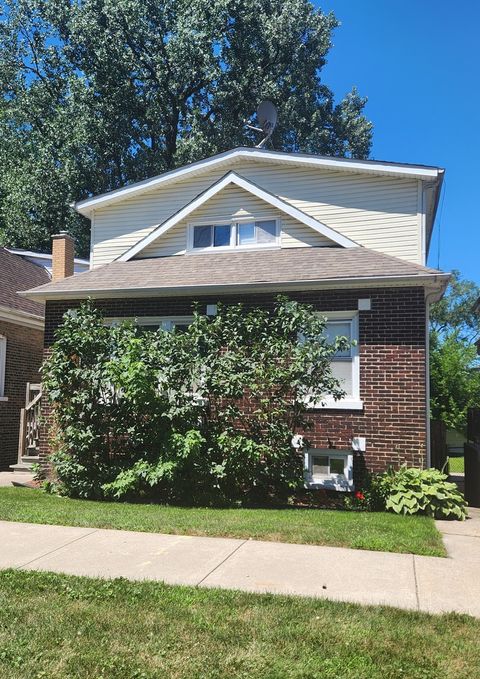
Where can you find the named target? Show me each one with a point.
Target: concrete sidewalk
(11, 478)
(412, 582)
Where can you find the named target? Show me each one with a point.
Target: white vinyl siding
(375, 211)
(233, 202)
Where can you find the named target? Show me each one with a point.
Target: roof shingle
(257, 267)
(17, 273)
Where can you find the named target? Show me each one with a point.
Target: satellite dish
(267, 116)
(267, 119)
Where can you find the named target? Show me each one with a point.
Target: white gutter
(17, 317)
(210, 289)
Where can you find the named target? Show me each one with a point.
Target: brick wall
(24, 357)
(392, 366)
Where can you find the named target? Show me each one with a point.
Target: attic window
(211, 235)
(256, 233)
(236, 234)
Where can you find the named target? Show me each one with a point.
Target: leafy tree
(456, 311)
(454, 364)
(202, 416)
(455, 379)
(99, 93)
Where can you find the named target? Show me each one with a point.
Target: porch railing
(29, 434)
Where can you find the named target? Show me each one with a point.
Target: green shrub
(201, 416)
(424, 491)
(410, 491)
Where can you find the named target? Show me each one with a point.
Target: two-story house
(349, 236)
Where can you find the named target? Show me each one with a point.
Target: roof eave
(19, 317)
(426, 173)
(438, 281)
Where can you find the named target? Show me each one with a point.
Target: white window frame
(350, 401)
(165, 322)
(341, 482)
(3, 366)
(233, 222)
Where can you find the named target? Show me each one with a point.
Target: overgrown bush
(205, 415)
(411, 491)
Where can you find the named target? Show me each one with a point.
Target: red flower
(359, 495)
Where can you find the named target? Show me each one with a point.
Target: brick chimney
(63, 252)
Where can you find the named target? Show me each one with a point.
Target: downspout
(428, 298)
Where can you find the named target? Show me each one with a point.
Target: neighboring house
(21, 339)
(45, 259)
(349, 236)
(21, 345)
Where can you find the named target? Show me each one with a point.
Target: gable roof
(378, 167)
(17, 273)
(214, 273)
(251, 187)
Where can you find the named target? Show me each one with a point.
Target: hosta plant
(424, 491)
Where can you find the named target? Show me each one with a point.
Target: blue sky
(418, 61)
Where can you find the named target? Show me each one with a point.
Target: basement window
(331, 469)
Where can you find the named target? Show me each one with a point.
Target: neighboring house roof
(45, 259)
(251, 187)
(17, 273)
(379, 167)
(212, 272)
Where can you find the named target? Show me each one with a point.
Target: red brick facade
(23, 360)
(392, 366)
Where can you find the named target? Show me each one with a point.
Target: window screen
(253, 233)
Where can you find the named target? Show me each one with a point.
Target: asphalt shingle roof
(16, 274)
(236, 268)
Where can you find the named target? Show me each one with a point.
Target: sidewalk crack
(221, 563)
(416, 582)
(66, 544)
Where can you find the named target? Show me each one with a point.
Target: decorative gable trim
(247, 185)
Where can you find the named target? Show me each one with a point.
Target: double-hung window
(170, 323)
(345, 365)
(242, 234)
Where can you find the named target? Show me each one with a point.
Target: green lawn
(378, 531)
(63, 627)
(456, 465)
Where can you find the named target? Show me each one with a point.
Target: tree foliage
(455, 379)
(206, 415)
(454, 363)
(99, 93)
(456, 311)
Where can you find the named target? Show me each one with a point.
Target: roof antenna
(267, 118)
